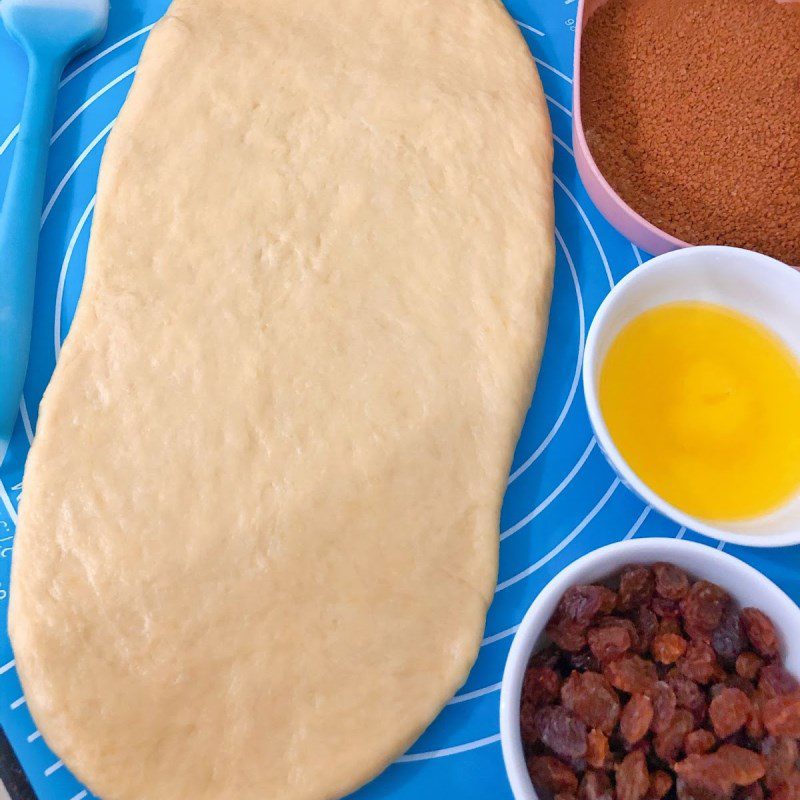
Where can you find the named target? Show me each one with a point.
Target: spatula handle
(19, 234)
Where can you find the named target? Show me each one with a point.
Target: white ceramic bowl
(755, 285)
(746, 585)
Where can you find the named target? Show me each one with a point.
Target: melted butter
(704, 405)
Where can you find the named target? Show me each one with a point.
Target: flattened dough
(259, 530)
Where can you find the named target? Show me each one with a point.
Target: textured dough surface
(259, 529)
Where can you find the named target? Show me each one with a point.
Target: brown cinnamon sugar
(692, 112)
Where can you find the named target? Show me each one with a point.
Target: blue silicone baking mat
(563, 500)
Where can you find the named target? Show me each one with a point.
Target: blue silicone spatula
(51, 32)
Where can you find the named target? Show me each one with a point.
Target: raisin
(715, 690)
(699, 742)
(668, 647)
(644, 745)
(688, 695)
(661, 670)
(729, 711)
(567, 634)
(730, 766)
(669, 743)
(660, 784)
(755, 725)
(546, 657)
(636, 587)
(748, 665)
(551, 775)
(686, 791)
(774, 680)
(789, 790)
(672, 582)
(610, 642)
(582, 604)
(636, 718)
(540, 686)
(705, 772)
(664, 703)
(753, 791)
(780, 756)
(631, 674)
(670, 625)
(590, 697)
(719, 674)
(597, 748)
(744, 766)
(781, 715)
(703, 608)
(728, 638)
(646, 627)
(696, 634)
(595, 785)
(700, 662)
(633, 780)
(735, 681)
(527, 724)
(608, 600)
(620, 622)
(665, 609)
(582, 661)
(562, 732)
(761, 632)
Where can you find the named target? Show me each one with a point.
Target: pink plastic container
(632, 225)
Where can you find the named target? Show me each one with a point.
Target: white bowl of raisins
(651, 670)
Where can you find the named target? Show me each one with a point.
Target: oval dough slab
(259, 531)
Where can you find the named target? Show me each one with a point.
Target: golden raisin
(699, 742)
(700, 662)
(551, 775)
(664, 704)
(631, 674)
(597, 748)
(609, 643)
(672, 582)
(729, 711)
(668, 647)
(780, 755)
(595, 785)
(636, 718)
(781, 715)
(592, 699)
(748, 665)
(660, 784)
(761, 632)
(633, 779)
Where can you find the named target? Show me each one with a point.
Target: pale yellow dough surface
(259, 526)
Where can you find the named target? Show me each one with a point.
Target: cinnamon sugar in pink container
(627, 221)
(632, 225)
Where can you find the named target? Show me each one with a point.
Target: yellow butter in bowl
(704, 405)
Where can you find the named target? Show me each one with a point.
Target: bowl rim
(644, 550)
(662, 263)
